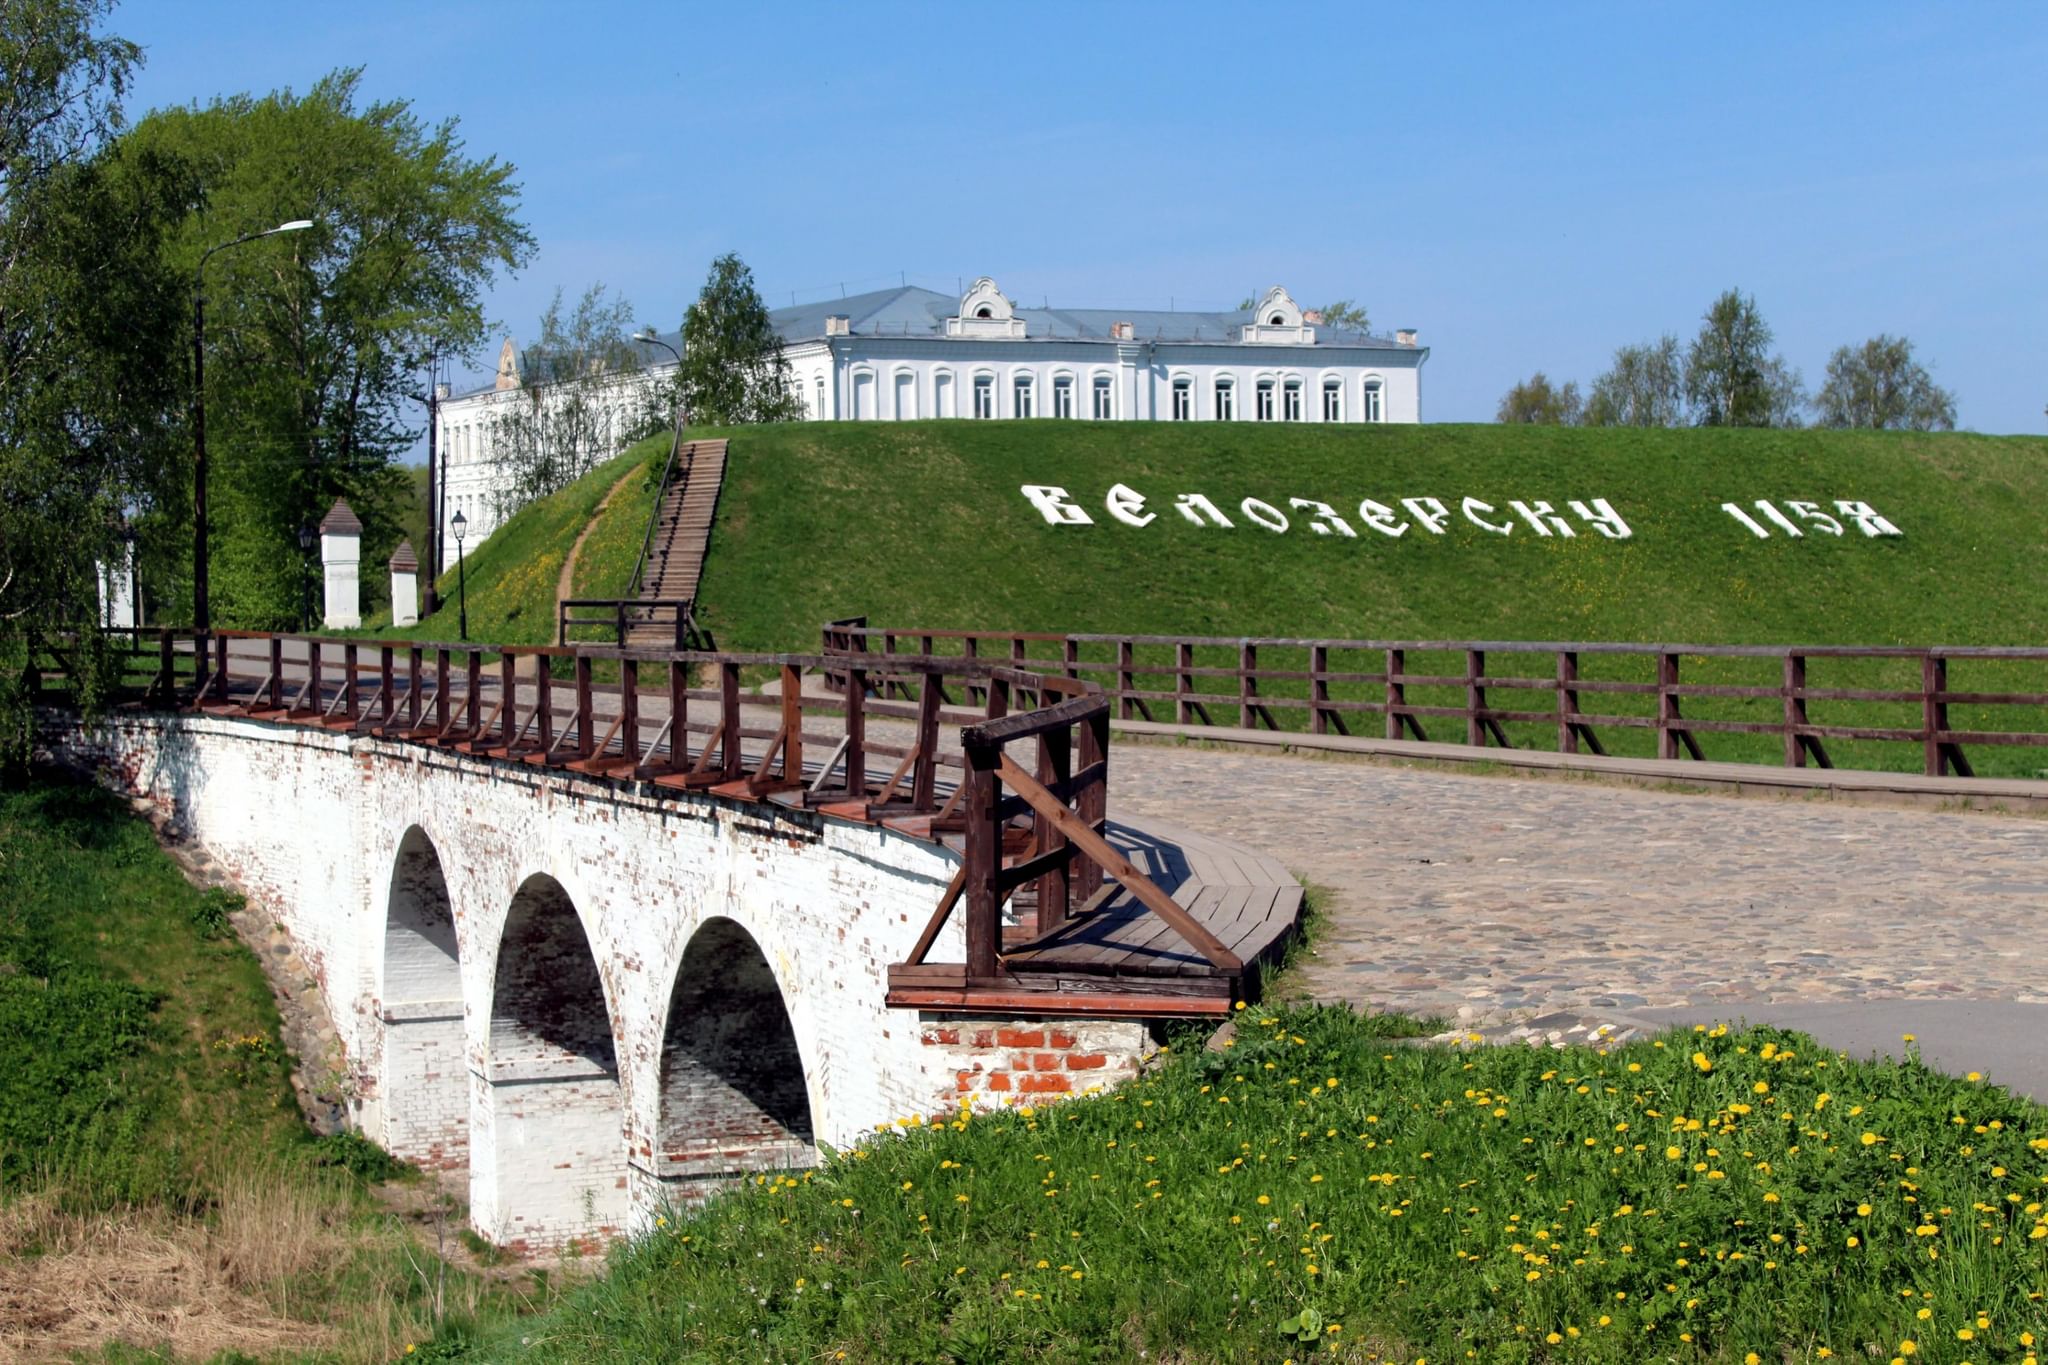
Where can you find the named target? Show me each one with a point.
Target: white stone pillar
(341, 552)
(405, 586)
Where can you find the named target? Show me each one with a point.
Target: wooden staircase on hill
(679, 538)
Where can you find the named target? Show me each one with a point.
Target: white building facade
(910, 354)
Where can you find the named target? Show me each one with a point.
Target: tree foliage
(1880, 385)
(1731, 377)
(315, 340)
(1643, 387)
(575, 408)
(86, 314)
(1536, 401)
(733, 368)
(1345, 314)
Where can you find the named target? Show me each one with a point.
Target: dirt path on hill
(565, 586)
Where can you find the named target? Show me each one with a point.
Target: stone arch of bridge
(735, 1094)
(550, 1095)
(423, 1074)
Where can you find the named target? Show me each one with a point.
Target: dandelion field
(1317, 1192)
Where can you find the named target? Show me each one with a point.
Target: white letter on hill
(1126, 503)
(1264, 514)
(1431, 513)
(1867, 519)
(1472, 506)
(1539, 514)
(1194, 507)
(1810, 511)
(1053, 502)
(1602, 518)
(1323, 518)
(1380, 517)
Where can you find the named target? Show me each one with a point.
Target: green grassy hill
(922, 524)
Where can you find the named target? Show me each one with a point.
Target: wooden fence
(1577, 696)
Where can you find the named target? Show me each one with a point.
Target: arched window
(1105, 399)
(864, 395)
(944, 404)
(1264, 410)
(818, 412)
(906, 396)
(1183, 399)
(1372, 411)
(984, 312)
(1063, 395)
(1021, 390)
(1279, 320)
(984, 395)
(1290, 401)
(1226, 399)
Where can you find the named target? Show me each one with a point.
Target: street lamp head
(644, 334)
(458, 525)
(305, 537)
(295, 225)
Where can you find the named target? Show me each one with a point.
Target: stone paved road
(1491, 898)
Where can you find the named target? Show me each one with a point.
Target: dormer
(1277, 321)
(985, 313)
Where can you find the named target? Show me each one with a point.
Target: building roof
(911, 311)
(340, 520)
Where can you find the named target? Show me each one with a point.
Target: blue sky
(1529, 186)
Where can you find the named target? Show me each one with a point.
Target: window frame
(1102, 398)
(1373, 393)
(1224, 391)
(1263, 406)
(1063, 396)
(984, 405)
(1181, 398)
(1023, 394)
(1291, 391)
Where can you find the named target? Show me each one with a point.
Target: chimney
(1405, 335)
(838, 325)
(1123, 331)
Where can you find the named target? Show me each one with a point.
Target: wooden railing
(675, 617)
(677, 720)
(1578, 697)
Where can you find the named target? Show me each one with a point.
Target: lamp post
(305, 577)
(458, 526)
(200, 620)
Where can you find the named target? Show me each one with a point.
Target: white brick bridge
(606, 974)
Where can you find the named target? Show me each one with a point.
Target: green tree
(1880, 385)
(1536, 401)
(87, 317)
(1345, 314)
(314, 340)
(1643, 387)
(1731, 378)
(575, 409)
(733, 368)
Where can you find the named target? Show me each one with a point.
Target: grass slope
(1314, 1192)
(513, 574)
(922, 524)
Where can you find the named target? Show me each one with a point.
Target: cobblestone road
(1503, 897)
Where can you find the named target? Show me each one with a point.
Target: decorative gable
(1277, 320)
(985, 313)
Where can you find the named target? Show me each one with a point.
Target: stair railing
(633, 585)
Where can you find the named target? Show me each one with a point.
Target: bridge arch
(423, 1072)
(735, 1094)
(554, 1169)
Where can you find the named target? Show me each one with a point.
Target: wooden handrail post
(1667, 704)
(415, 659)
(543, 702)
(1092, 804)
(1795, 710)
(1247, 684)
(1055, 766)
(508, 700)
(220, 665)
(1125, 679)
(1183, 681)
(167, 668)
(982, 857)
(1567, 701)
(1933, 713)
(970, 650)
(387, 684)
(729, 756)
(924, 774)
(629, 710)
(352, 702)
(856, 733)
(1475, 697)
(441, 684)
(273, 694)
(678, 716)
(586, 713)
(1397, 691)
(792, 724)
(1070, 656)
(472, 697)
(1318, 689)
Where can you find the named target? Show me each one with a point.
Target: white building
(909, 353)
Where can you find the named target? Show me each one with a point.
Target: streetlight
(305, 577)
(458, 526)
(199, 612)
